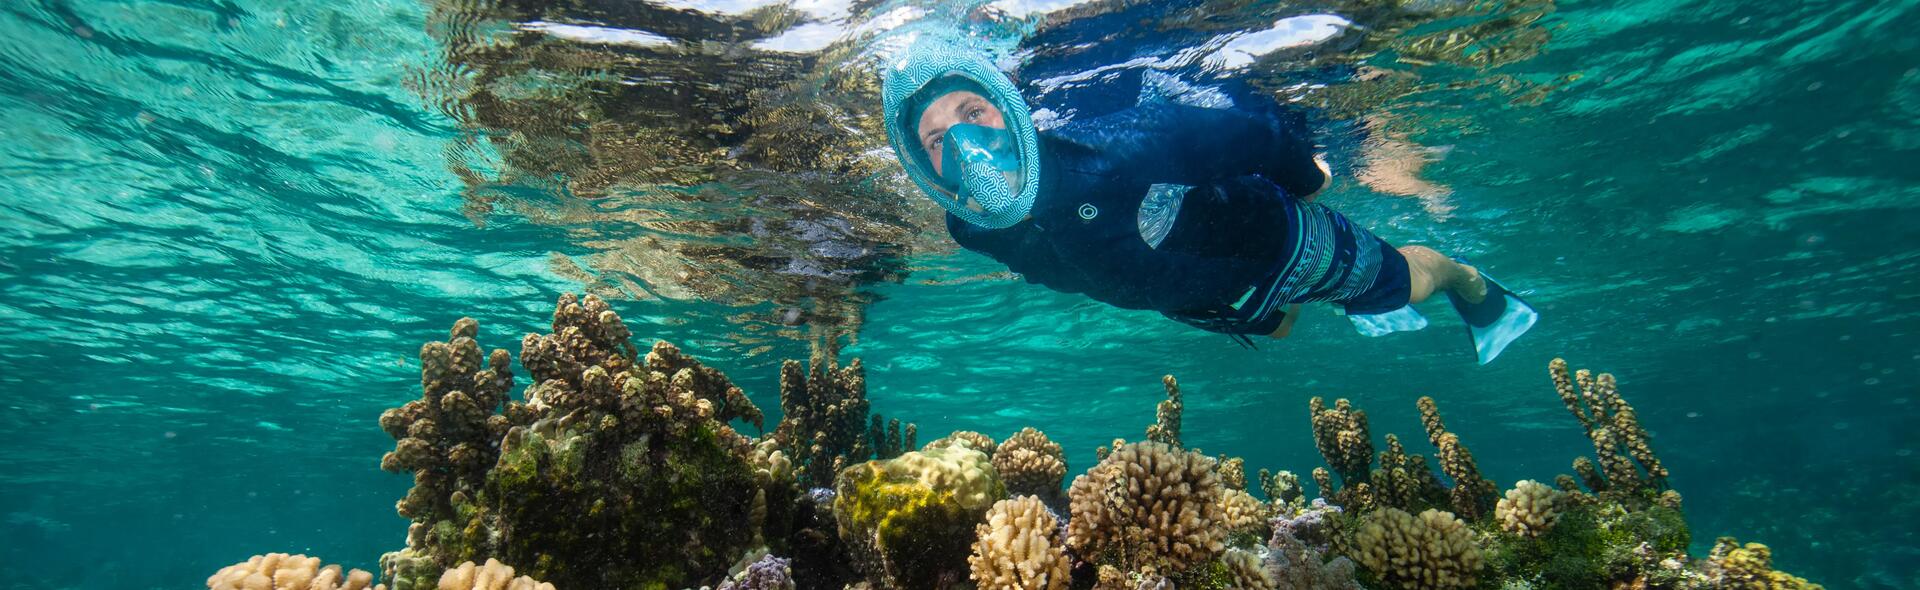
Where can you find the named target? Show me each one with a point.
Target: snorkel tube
(990, 175)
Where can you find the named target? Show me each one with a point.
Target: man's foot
(1472, 287)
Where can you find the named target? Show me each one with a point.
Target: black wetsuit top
(1240, 173)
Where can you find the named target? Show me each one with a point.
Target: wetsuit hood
(997, 187)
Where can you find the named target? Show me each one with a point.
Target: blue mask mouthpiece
(981, 165)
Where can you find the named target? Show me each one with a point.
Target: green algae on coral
(910, 520)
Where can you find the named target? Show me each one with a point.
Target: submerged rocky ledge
(616, 469)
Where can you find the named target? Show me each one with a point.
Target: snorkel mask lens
(981, 165)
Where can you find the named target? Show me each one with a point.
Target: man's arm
(1286, 323)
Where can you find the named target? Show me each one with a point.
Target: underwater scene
(921, 294)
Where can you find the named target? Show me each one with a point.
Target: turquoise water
(229, 225)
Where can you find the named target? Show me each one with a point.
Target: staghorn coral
(1433, 550)
(1404, 481)
(1166, 425)
(825, 424)
(448, 437)
(1471, 494)
(766, 573)
(1619, 442)
(908, 520)
(492, 576)
(280, 571)
(1732, 566)
(1529, 509)
(1148, 505)
(1341, 435)
(1031, 464)
(970, 439)
(620, 470)
(1019, 548)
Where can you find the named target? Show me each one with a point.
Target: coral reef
(1019, 548)
(492, 576)
(1031, 464)
(1529, 509)
(279, 571)
(908, 520)
(618, 469)
(1148, 507)
(1433, 550)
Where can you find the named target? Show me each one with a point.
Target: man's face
(955, 107)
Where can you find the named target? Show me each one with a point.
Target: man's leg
(1431, 271)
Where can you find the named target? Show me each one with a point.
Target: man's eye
(976, 113)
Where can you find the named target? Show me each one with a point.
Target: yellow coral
(492, 576)
(908, 520)
(1529, 509)
(1432, 551)
(280, 571)
(1031, 464)
(958, 469)
(1017, 548)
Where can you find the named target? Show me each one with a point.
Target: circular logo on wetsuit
(1088, 211)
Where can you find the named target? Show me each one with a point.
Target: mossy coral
(910, 519)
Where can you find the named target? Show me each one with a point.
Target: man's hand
(1320, 161)
(1286, 323)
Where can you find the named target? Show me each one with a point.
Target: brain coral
(1148, 505)
(1431, 551)
(1019, 548)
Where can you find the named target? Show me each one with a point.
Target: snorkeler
(1204, 215)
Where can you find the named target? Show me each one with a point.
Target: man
(1204, 215)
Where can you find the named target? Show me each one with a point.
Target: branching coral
(1166, 426)
(279, 571)
(1529, 509)
(1243, 514)
(1342, 437)
(1618, 440)
(1148, 505)
(492, 576)
(1404, 481)
(1471, 494)
(448, 438)
(1031, 464)
(1433, 550)
(825, 424)
(1019, 548)
(909, 520)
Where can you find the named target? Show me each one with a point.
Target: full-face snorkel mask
(986, 175)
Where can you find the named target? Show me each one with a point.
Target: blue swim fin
(1496, 321)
